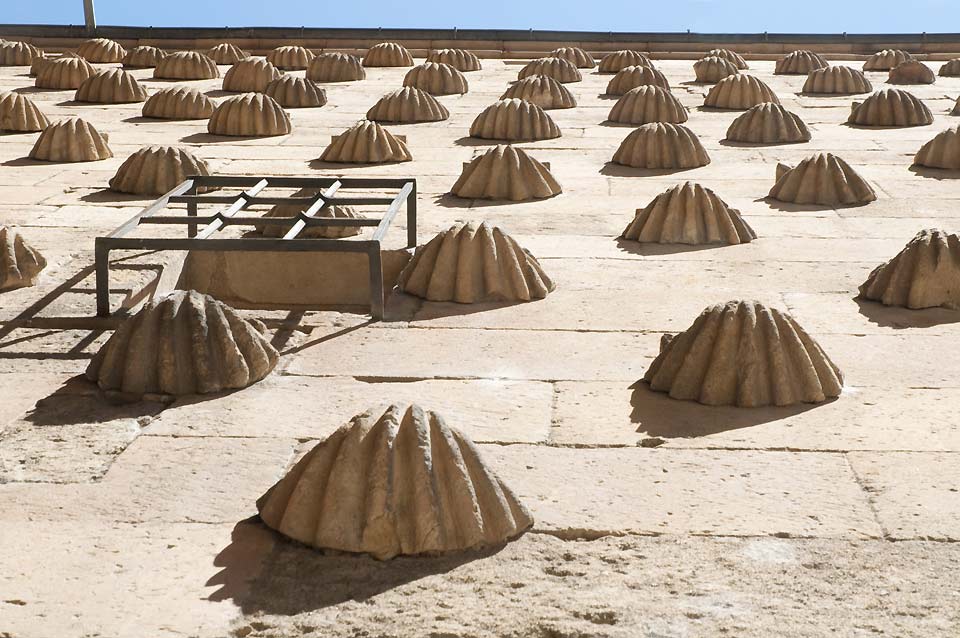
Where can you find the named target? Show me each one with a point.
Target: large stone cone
(739, 92)
(460, 59)
(890, 107)
(943, 151)
(143, 57)
(768, 124)
(925, 274)
(471, 263)
(18, 53)
(113, 86)
(543, 91)
(731, 56)
(183, 343)
(712, 69)
(294, 92)
(436, 78)
(745, 354)
(320, 232)
(291, 58)
(387, 54)
(911, 72)
(559, 69)
(514, 120)
(617, 60)
(178, 103)
(950, 69)
(20, 263)
(823, 179)
(101, 50)
(186, 65)
(19, 114)
(155, 170)
(225, 53)
(249, 115)
(631, 77)
(577, 56)
(250, 74)
(836, 80)
(400, 483)
(661, 145)
(689, 214)
(408, 105)
(505, 172)
(366, 143)
(64, 73)
(335, 67)
(800, 62)
(648, 103)
(886, 60)
(70, 140)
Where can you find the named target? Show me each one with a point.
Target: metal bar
(412, 217)
(89, 17)
(376, 282)
(237, 206)
(274, 201)
(192, 221)
(152, 209)
(259, 244)
(101, 257)
(165, 220)
(387, 218)
(301, 182)
(322, 202)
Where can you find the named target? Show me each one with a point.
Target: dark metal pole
(88, 16)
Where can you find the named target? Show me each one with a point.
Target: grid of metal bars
(201, 229)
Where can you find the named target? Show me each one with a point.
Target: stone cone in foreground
(391, 484)
(290, 58)
(506, 172)
(155, 170)
(646, 104)
(436, 78)
(911, 72)
(408, 105)
(739, 92)
(545, 92)
(631, 77)
(768, 124)
(661, 145)
(689, 214)
(712, 69)
(295, 92)
(950, 69)
(113, 86)
(474, 263)
(101, 50)
(20, 263)
(18, 113)
(183, 343)
(186, 65)
(64, 73)
(366, 143)
(823, 179)
(71, 140)
(925, 274)
(943, 151)
(890, 107)
(514, 120)
(249, 115)
(836, 80)
(178, 103)
(745, 354)
(250, 74)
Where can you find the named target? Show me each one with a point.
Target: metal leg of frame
(102, 266)
(412, 217)
(376, 283)
(192, 212)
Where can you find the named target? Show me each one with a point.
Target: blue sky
(715, 16)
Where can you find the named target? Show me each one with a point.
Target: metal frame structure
(202, 238)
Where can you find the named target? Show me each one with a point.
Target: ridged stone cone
(408, 105)
(38, 62)
(400, 483)
(291, 58)
(155, 170)
(249, 115)
(366, 143)
(20, 263)
(64, 73)
(744, 354)
(631, 77)
(661, 145)
(183, 343)
(18, 53)
(768, 124)
(474, 263)
(112, 86)
(577, 56)
(925, 274)
(293, 92)
(739, 92)
(950, 69)
(250, 74)
(505, 172)
(800, 62)
(823, 179)
(336, 67)
(943, 151)
(557, 68)
(648, 103)
(318, 232)
(460, 59)
(730, 56)
(225, 53)
(436, 78)
(689, 214)
(712, 69)
(617, 60)
(19, 114)
(186, 65)
(886, 60)
(956, 108)
(387, 54)
(70, 140)
(911, 72)
(178, 103)
(143, 57)
(890, 107)
(836, 80)
(514, 120)
(545, 92)
(101, 50)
